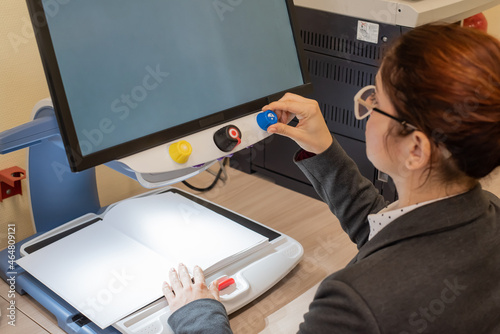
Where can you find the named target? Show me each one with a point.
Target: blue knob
(266, 118)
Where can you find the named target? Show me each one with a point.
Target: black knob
(227, 138)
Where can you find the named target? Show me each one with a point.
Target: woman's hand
(311, 133)
(184, 290)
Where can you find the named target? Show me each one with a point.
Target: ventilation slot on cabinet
(341, 45)
(333, 114)
(339, 73)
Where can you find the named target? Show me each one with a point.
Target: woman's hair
(445, 80)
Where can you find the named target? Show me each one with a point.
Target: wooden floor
(280, 310)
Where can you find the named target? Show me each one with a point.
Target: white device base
(253, 276)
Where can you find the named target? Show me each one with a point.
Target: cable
(210, 187)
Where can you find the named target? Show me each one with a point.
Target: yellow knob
(180, 151)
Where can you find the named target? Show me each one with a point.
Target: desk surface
(280, 310)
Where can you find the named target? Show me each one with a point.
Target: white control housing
(406, 13)
(157, 160)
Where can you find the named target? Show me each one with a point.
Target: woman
(430, 262)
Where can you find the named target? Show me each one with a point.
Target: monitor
(127, 76)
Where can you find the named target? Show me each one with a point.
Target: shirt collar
(454, 212)
(388, 214)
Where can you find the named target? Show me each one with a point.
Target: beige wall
(22, 84)
(493, 17)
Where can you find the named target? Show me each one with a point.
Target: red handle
(226, 283)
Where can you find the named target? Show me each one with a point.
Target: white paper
(116, 266)
(182, 230)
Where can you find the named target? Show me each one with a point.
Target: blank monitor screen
(128, 75)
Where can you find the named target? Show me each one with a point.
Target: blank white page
(101, 272)
(117, 266)
(182, 230)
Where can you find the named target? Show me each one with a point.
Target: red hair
(445, 80)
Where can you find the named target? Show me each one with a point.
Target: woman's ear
(418, 151)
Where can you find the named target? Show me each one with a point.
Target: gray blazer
(435, 269)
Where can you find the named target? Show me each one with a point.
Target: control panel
(204, 146)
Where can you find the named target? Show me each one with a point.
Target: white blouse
(385, 216)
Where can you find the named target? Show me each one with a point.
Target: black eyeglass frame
(399, 120)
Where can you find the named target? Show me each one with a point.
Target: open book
(116, 266)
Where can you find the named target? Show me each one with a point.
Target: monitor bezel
(78, 162)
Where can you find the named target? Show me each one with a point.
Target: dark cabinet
(340, 65)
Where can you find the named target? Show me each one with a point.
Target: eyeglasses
(365, 103)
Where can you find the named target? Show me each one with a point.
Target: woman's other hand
(312, 133)
(184, 290)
